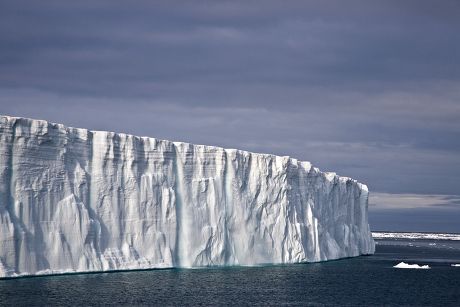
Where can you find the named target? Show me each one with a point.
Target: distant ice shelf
(416, 236)
(74, 200)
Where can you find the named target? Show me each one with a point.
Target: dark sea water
(362, 281)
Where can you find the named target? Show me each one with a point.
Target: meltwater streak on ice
(74, 200)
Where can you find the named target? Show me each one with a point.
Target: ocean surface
(361, 281)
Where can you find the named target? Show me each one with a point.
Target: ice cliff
(74, 200)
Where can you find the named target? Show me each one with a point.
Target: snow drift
(74, 200)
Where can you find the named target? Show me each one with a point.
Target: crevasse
(74, 200)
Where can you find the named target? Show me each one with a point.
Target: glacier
(75, 200)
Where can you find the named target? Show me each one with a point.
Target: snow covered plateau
(74, 200)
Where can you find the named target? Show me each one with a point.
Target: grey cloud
(163, 46)
(384, 201)
(414, 212)
(370, 90)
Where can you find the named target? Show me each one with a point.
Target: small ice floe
(403, 265)
(456, 265)
(432, 244)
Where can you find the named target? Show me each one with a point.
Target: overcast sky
(368, 89)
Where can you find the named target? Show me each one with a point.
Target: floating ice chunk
(403, 265)
(455, 265)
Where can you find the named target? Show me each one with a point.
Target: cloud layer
(371, 91)
(414, 212)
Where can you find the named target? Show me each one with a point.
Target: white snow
(74, 200)
(403, 265)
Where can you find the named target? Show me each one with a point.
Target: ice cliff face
(73, 200)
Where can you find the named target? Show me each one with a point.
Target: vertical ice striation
(73, 200)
